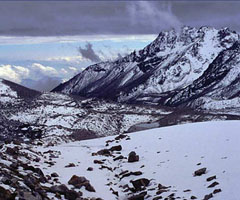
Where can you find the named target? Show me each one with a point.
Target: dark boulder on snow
(81, 181)
(138, 196)
(133, 157)
(141, 183)
(200, 172)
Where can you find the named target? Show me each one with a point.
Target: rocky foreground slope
(192, 161)
(197, 68)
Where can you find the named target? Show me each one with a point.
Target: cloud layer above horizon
(65, 18)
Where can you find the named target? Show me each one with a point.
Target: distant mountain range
(197, 68)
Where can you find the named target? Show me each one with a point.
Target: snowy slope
(168, 156)
(172, 62)
(6, 93)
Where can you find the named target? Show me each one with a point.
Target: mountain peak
(172, 62)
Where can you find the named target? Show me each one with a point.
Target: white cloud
(13, 73)
(73, 59)
(73, 68)
(5, 40)
(45, 70)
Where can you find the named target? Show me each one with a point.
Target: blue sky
(59, 58)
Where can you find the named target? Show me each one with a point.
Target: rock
(6, 194)
(76, 180)
(31, 181)
(104, 152)
(208, 196)
(89, 187)
(140, 183)
(29, 195)
(122, 136)
(137, 173)
(54, 174)
(118, 158)
(72, 195)
(71, 165)
(12, 151)
(200, 172)
(213, 184)
(138, 197)
(193, 197)
(217, 191)
(133, 157)
(61, 189)
(116, 148)
(211, 178)
(89, 169)
(98, 162)
(79, 182)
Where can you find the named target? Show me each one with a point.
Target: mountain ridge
(152, 75)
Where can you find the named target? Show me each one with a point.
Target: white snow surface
(169, 155)
(6, 93)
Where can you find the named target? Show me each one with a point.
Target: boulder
(133, 157)
(141, 183)
(200, 172)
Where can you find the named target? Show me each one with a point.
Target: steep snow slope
(167, 156)
(218, 87)
(171, 62)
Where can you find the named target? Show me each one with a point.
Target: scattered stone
(137, 173)
(104, 152)
(61, 189)
(54, 174)
(116, 148)
(211, 178)
(187, 190)
(6, 194)
(208, 196)
(140, 183)
(98, 162)
(70, 165)
(76, 180)
(193, 197)
(89, 187)
(200, 172)
(133, 157)
(213, 184)
(118, 158)
(217, 191)
(79, 182)
(89, 169)
(199, 164)
(72, 195)
(122, 136)
(138, 197)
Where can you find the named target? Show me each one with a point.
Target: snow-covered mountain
(192, 161)
(172, 70)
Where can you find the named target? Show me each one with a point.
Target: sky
(44, 43)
